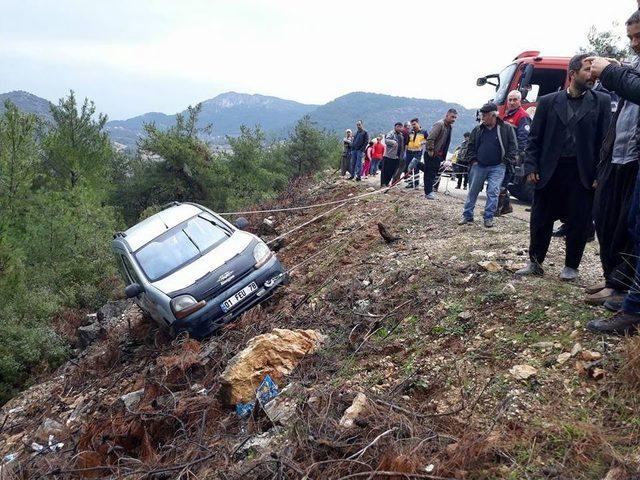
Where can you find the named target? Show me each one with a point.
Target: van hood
(213, 260)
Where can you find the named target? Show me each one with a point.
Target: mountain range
(228, 111)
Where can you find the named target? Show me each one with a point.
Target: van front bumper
(211, 317)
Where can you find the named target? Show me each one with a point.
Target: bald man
(518, 118)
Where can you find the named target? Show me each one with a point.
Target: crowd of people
(581, 160)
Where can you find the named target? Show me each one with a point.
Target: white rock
(563, 357)
(354, 411)
(523, 372)
(577, 348)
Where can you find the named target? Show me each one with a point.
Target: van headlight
(261, 254)
(185, 305)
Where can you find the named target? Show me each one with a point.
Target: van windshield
(178, 247)
(503, 85)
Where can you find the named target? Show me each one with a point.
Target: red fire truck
(534, 76)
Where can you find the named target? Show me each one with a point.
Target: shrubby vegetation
(64, 190)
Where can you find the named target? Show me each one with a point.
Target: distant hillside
(380, 112)
(27, 102)
(226, 113)
(276, 116)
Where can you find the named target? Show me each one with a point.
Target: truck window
(504, 83)
(543, 82)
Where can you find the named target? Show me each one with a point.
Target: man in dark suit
(561, 157)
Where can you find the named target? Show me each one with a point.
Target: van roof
(154, 226)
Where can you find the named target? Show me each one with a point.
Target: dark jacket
(626, 83)
(360, 140)
(548, 133)
(506, 136)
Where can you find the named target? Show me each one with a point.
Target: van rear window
(178, 247)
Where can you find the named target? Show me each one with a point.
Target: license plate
(238, 297)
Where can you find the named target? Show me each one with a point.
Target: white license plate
(241, 295)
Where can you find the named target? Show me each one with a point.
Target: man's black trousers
(564, 197)
(431, 167)
(389, 167)
(611, 205)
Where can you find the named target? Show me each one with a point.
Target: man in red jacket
(518, 118)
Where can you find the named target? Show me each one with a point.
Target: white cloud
(306, 51)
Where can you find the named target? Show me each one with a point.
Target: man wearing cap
(561, 157)
(492, 145)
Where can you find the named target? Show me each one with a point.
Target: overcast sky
(135, 56)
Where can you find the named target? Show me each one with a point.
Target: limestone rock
(490, 266)
(577, 348)
(89, 334)
(590, 356)
(563, 357)
(283, 408)
(523, 372)
(131, 399)
(354, 411)
(276, 354)
(49, 427)
(465, 316)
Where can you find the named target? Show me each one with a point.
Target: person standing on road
(461, 165)
(358, 147)
(626, 83)
(437, 146)
(394, 142)
(518, 118)
(560, 159)
(618, 170)
(367, 160)
(415, 147)
(492, 145)
(345, 162)
(376, 156)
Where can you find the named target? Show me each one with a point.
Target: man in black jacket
(560, 159)
(626, 83)
(358, 147)
(616, 181)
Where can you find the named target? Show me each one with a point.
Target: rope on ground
(323, 214)
(307, 207)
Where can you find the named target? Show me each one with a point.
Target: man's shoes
(569, 274)
(351, 177)
(621, 323)
(595, 288)
(601, 296)
(489, 223)
(358, 179)
(532, 268)
(506, 210)
(458, 187)
(465, 221)
(613, 304)
(431, 196)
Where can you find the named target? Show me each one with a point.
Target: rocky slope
(428, 359)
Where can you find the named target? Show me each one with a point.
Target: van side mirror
(133, 290)
(481, 82)
(241, 223)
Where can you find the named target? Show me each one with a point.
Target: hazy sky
(134, 56)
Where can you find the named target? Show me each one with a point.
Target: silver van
(191, 270)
